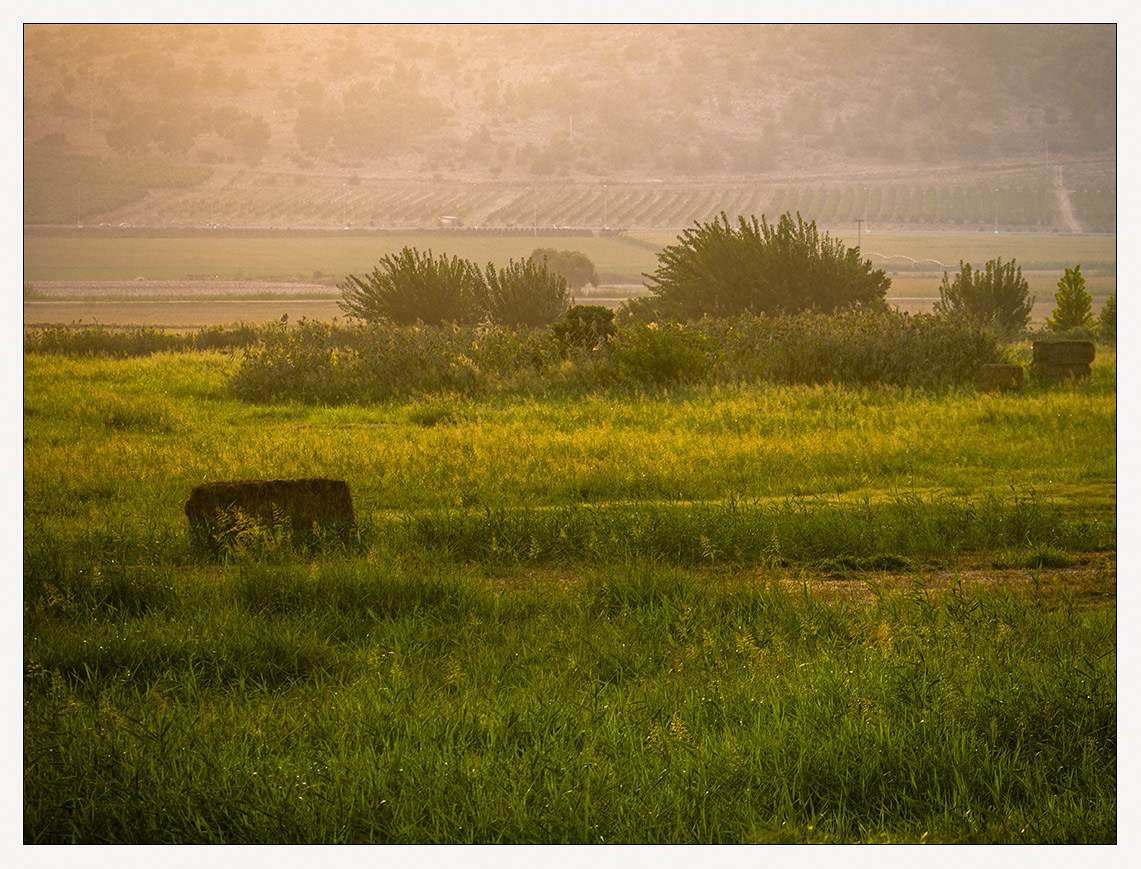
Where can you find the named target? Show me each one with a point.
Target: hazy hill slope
(332, 104)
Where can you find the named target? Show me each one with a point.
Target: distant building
(450, 221)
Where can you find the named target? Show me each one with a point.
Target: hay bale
(1062, 359)
(1063, 351)
(1002, 377)
(1058, 373)
(302, 505)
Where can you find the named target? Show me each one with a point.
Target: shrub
(576, 267)
(526, 293)
(916, 350)
(718, 270)
(584, 327)
(659, 353)
(1074, 305)
(411, 287)
(320, 363)
(995, 298)
(1107, 319)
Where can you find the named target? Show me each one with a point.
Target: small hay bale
(302, 505)
(1002, 377)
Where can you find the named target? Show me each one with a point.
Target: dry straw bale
(1063, 352)
(1062, 359)
(300, 504)
(1002, 377)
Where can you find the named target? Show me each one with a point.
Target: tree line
(716, 269)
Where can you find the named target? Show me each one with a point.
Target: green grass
(398, 699)
(738, 614)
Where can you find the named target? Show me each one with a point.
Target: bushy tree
(573, 265)
(995, 297)
(720, 270)
(410, 286)
(525, 293)
(1074, 305)
(1107, 319)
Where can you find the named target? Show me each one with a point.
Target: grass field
(750, 613)
(296, 257)
(621, 259)
(102, 276)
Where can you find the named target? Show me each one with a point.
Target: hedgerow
(334, 363)
(338, 363)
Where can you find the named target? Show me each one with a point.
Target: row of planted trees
(716, 269)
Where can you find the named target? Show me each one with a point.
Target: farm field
(751, 613)
(1013, 199)
(125, 280)
(619, 259)
(169, 309)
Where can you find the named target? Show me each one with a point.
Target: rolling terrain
(253, 126)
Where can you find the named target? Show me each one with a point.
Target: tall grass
(394, 700)
(331, 364)
(571, 616)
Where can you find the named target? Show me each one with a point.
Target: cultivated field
(143, 280)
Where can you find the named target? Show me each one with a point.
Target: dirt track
(48, 290)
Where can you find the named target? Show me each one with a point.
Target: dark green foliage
(660, 354)
(526, 293)
(720, 271)
(411, 287)
(1074, 304)
(576, 267)
(997, 297)
(585, 327)
(918, 350)
(1107, 319)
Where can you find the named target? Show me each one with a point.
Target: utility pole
(859, 231)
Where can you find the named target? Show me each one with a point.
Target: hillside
(381, 125)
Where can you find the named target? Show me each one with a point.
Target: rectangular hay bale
(1056, 373)
(1063, 352)
(1002, 377)
(301, 504)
